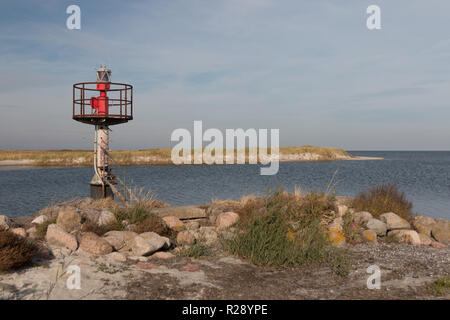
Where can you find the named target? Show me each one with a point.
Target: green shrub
(289, 233)
(196, 250)
(441, 286)
(15, 251)
(383, 198)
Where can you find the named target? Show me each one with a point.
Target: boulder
(335, 226)
(342, 209)
(163, 255)
(440, 233)
(206, 234)
(68, 220)
(183, 212)
(405, 236)
(147, 244)
(106, 218)
(153, 235)
(92, 243)
(425, 239)
(423, 224)
(58, 237)
(19, 231)
(443, 223)
(120, 240)
(186, 237)
(394, 222)
(362, 217)
(218, 207)
(226, 220)
(369, 236)
(5, 223)
(376, 225)
(173, 223)
(337, 239)
(437, 245)
(40, 220)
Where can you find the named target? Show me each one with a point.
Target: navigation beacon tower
(102, 104)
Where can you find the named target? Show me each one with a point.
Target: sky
(309, 68)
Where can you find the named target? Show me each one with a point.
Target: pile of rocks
(389, 226)
(65, 231)
(208, 223)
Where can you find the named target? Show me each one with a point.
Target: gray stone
(423, 224)
(405, 236)
(58, 237)
(362, 217)
(153, 235)
(378, 226)
(226, 220)
(440, 233)
(5, 223)
(40, 220)
(147, 244)
(394, 222)
(183, 212)
(120, 239)
(106, 218)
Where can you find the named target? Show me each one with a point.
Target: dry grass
(15, 251)
(154, 223)
(100, 230)
(105, 204)
(158, 156)
(384, 198)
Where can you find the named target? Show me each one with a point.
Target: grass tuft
(156, 224)
(289, 233)
(100, 230)
(441, 286)
(384, 198)
(198, 249)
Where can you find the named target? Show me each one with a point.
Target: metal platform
(119, 107)
(102, 120)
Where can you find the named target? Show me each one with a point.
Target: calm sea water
(423, 176)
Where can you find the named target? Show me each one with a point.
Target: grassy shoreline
(157, 156)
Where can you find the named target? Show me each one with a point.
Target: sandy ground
(406, 273)
(14, 163)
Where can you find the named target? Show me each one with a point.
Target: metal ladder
(118, 186)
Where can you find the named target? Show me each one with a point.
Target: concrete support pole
(102, 144)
